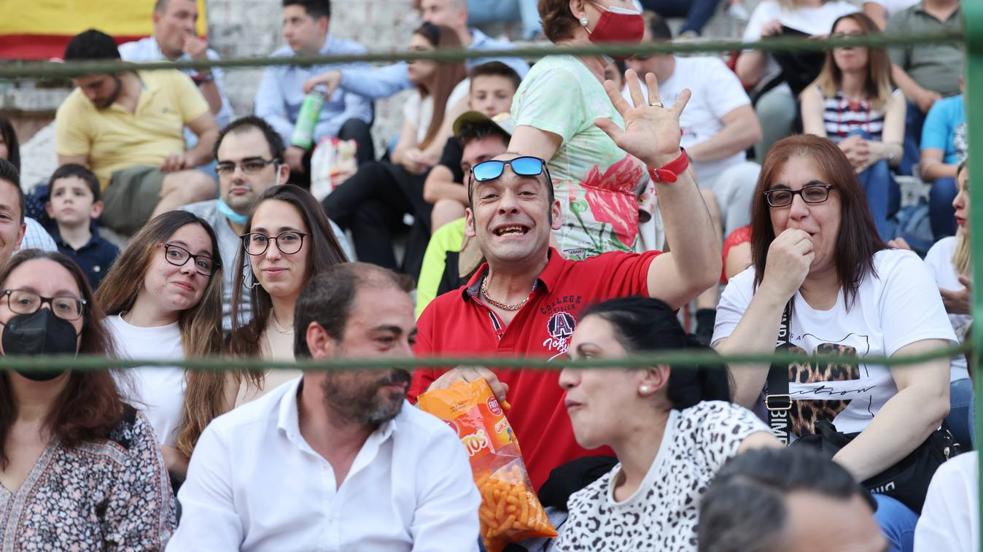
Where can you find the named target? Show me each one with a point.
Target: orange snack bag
(510, 510)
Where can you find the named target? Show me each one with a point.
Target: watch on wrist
(669, 173)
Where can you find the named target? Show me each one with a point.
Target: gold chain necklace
(503, 306)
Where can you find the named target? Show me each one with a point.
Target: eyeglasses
(521, 166)
(66, 307)
(782, 197)
(249, 166)
(288, 242)
(178, 256)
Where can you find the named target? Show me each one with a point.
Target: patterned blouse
(662, 514)
(101, 495)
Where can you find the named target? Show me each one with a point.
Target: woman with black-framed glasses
(822, 281)
(163, 298)
(286, 240)
(80, 468)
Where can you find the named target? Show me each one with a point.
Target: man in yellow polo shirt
(128, 129)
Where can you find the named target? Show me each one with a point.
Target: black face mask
(40, 333)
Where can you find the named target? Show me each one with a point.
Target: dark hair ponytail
(645, 325)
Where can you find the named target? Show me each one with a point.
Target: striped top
(842, 115)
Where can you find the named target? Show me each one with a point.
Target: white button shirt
(254, 484)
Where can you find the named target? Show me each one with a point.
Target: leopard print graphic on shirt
(662, 514)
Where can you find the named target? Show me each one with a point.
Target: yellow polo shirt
(115, 139)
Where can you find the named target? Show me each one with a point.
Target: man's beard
(104, 104)
(367, 404)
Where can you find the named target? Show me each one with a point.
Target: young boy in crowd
(74, 204)
(493, 85)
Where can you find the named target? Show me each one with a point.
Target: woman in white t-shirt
(815, 247)
(373, 203)
(671, 429)
(285, 241)
(163, 300)
(949, 260)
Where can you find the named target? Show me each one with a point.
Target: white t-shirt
(662, 514)
(939, 261)
(897, 307)
(950, 516)
(158, 392)
(810, 20)
(419, 110)
(716, 92)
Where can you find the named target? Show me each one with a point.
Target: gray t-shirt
(937, 66)
(228, 248)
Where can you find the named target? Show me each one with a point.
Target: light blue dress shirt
(281, 93)
(388, 80)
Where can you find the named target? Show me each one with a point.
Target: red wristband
(668, 173)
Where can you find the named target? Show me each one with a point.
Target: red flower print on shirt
(612, 198)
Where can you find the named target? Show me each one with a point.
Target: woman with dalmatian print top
(670, 428)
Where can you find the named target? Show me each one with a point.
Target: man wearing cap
(524, 301)
(451, 256)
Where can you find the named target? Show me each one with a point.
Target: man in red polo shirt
(525, 300)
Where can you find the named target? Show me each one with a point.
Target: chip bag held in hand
(510, 511)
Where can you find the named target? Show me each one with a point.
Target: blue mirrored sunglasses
(522, 166)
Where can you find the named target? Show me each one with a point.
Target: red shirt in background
(457, 324)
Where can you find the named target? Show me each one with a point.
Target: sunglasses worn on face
(521, 166)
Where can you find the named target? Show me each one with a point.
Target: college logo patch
(560, 328)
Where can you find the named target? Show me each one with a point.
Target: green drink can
(310, 113)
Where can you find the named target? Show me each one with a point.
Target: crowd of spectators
(581, 207)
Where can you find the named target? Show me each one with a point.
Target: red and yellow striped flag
(40, 29)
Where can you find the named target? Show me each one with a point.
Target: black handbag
(906, 481)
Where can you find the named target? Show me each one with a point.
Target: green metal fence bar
(679, 359)
(24, 70)
(973, 20)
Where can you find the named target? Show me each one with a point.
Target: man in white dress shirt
(334, 461)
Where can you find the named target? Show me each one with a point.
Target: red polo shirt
(456, 323)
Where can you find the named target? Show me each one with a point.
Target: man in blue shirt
(386, 81)
(281, 90)
(174, 39)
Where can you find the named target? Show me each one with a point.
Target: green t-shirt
(935, 67)
(597, 183)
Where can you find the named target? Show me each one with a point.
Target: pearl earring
(584, 21)
(643, 389)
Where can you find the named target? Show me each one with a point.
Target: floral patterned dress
(598, 184)
(102, 495)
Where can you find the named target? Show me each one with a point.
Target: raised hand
(651, 131)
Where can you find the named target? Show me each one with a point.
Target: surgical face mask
(39, 333)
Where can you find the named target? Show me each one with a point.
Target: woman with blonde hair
(163, 300)
(854, 103)
(949, 260)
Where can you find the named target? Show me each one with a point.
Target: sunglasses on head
(521, 166)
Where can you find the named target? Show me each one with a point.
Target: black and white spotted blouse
(662, 514)
(112, 494)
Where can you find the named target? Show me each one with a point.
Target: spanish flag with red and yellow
(40, 29)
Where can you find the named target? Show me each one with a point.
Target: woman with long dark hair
(286, 240)
(373, 202)
(79, 468)
(819, 263)
(163, 298)
(854, 103)
(671, 429)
